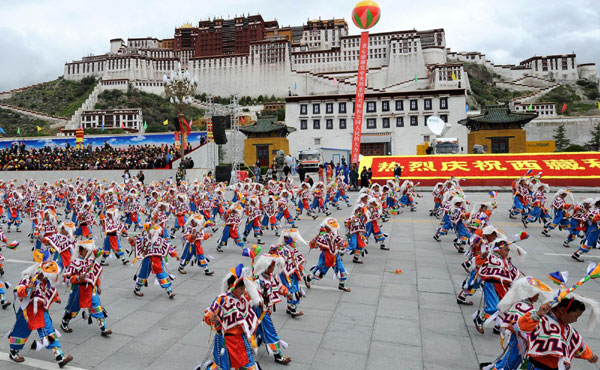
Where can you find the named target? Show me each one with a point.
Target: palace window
(386, 122)
(371, 107)
(443, 103)
(303, 124)
(342, 124)
(427, 104)
(303, 109)
(329, 124)
(316, 124)
(329, 108)
(414, 120)
(414, 104)
(399, 105)
(342, 108)
(399, 121)
(385, 106)
(316, 108)
(444, 117)
(371, 123)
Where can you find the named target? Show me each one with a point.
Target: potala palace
(411, 76)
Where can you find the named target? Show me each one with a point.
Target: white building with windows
(126, 119)
(394, 123)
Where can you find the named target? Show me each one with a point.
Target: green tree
(594, 143)
(560, 138)
(260, 99)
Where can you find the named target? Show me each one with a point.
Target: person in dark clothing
(310, 181)
(301, 172)
(397, 171)
(354, 178)
(286, 170)
(370, 176)
(141, 176)
(364, 178)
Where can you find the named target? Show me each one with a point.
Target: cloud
(42, 35)
(139, 138)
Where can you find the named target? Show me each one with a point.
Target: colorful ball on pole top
(366, 14)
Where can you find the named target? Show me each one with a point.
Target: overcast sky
(38, 36)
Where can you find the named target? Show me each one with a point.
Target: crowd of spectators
(18, 157)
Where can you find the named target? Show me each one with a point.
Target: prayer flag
(416, 78)
(599, 105)
(38, 128)
(166, 122)
(102, 127)
(564, 108)
(2, 130)
(295, 86)
(467, 108)
(454, 78)
(530, 107)
(145, 125)
(242, 119)
(18, 131)
(335, 81)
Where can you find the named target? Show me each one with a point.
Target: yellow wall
(516, 144)
(275, 144)
(541, 146)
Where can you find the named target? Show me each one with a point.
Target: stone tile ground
(388, 321)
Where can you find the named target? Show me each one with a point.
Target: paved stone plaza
(388, 321)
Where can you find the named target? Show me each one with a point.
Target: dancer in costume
(37, 291)
(372, 227)
(3, 302)
(592, 232)
(480, 243)
(234, 321)
(181, 209)
(553, 342)
(293, 269)
(517, 302)
(355, 226)
(194, 236)
(578, 220)
(331, 246)
(84, 275)
(62, 243)
(233, 218)
(113, 227)
(85, 221)
(254, 219)
(560, 207)
(267, 269)
(15, 206)
(153, 248)
(538, 211)
(497, 273)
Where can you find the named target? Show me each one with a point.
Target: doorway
(500, 145)
(262, 155)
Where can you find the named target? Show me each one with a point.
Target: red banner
(360, 95)
(177, 140)
(560, 169)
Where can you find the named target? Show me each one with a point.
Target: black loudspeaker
(219, 123)
(223, 173)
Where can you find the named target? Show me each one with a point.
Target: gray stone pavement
(388, 321)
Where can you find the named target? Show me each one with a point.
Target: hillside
(155, 108)
(59, 97)
(483, 89)
(11, 121)
(581, 98)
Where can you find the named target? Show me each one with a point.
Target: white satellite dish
(436, 125)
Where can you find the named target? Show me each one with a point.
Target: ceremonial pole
(364, 15)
